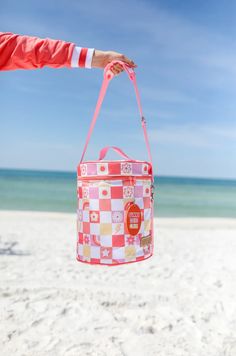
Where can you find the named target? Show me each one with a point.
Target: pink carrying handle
(104, 151)
(108, 75)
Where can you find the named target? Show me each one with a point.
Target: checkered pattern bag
(115, 200)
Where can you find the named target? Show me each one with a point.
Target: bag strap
(104, 151)
(108, 75)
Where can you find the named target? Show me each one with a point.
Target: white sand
(180, 302)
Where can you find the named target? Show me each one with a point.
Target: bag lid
(114, 168)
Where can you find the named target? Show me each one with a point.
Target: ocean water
(174, 197)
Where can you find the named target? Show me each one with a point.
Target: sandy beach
(180, 302)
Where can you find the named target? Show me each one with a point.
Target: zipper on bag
(118, 177)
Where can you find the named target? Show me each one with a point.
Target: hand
(102, 58)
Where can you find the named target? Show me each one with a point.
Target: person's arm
(26, 52)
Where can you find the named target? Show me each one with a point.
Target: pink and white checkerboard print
(114, 168)
(104, 191)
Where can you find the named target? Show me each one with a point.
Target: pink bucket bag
(115, 199)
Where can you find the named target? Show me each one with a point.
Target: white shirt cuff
(76, 55)
(89, 57)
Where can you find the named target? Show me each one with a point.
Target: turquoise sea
(174, 197)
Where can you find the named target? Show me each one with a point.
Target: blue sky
(186, 56)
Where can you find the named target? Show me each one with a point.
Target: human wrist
(99, 59)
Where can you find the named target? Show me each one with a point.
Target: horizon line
(155, 175)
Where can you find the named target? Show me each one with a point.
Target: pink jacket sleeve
(25, 52)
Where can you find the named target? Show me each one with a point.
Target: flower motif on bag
(117, 216)
(145, 169)
(130, 240)
(104, 192)
(83, 169)
(94, 216)
(146, 191)
(86, 239)
(128, 192)
(126, 168)
(102, 168)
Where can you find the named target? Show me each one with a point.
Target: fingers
(128, 61)
(117, 68)
(113, 56)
